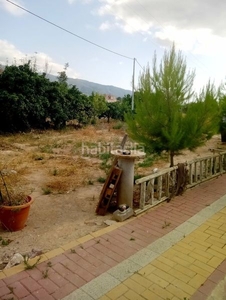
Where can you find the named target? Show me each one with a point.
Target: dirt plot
(64, 171)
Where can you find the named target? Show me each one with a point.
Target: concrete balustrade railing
(160, 186)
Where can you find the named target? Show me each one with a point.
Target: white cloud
(12, 9)
(197, 26)
(9, 54)
(105, 26)
(199, 41)
(83, 1)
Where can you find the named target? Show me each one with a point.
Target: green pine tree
(168, 116)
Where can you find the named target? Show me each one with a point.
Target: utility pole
(134, 60)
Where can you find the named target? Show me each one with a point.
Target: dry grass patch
(64, 159)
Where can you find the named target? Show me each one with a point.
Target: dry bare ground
(63, 172)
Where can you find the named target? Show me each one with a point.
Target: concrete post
(126, 161)
(126, 182)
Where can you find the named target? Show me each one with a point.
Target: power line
(139, 64)
(68, 31)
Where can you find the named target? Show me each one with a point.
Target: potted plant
(14, 203)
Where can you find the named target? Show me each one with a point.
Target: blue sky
(131, 28)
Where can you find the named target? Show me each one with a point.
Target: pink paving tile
(142, 235)
(110, 261)
(16, 277)
(69, 264)
(138, 226)
(88, 244)
(4, 290)
(42, 294)
(43, 266)
(2, 283)
(79, 250)
(84, 274)
(88, 257)
(134, 244)
(10, 297)
(143, 222)
(73, 256)
(222, 266)
(104, 240)
(174, 222)
(93, 260)
(30, 284)
(36, 274)
(140, 242)
(64, 291)
(108, 247)
(57, 279)
(61, 269)
(123, 242)
(75, 280)
(207, 287)
(75, 268)
(198, 296)
(120, 232)
(157, 231)
(19, 290)
(151, 239)
(118, 247)
(86, 265)
(175, 216)
(101, 269)
(159, 215)
(126, 229)
(58, 259)
(152, 220)
(154, 233)
(131, 225)
(94, 252)
(30, 297)
(217, 276)
(48, 285)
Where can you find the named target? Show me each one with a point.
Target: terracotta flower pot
(13, 218)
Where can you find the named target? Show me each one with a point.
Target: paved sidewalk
(176, 250)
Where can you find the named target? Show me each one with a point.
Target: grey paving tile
(124, 269)
(174, 236)
(100, 285)
(197, 219)
(207, 212)
(160, 246)
(78, 295)
(187, 227)
(144, 257)
(221, 200)
(217, 205)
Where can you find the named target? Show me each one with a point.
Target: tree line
(168, 114)
(29, 100)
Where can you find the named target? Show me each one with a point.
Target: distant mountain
(87, 87)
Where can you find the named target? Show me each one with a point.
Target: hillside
(87, 87)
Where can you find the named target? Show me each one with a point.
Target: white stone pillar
(125, 186)
(126, 182)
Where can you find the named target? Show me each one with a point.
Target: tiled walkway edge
(108, 264)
